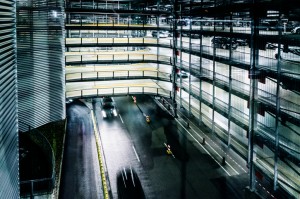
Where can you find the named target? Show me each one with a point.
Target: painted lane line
(205, 149)
(209, 144)
(211, 149)
(121, 118)
(136, 154)
(208, 138)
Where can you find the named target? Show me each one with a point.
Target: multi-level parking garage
(246, 90)
(227, 71)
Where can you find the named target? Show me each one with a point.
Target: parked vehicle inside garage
(290, 54)
(160, 34)
(224, 43)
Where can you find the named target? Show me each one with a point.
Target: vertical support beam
(180, 66)
(190, 60)
(214, 82)
(230, 87)
(158, 38)
(253, 95)
(276, 152)
(174, 61)
(200, 70)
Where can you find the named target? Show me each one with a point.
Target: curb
(102, 170)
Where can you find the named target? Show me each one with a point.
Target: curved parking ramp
(117, 74)
(98, 41)
(73, 58)
(117, 88)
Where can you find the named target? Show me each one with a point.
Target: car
(271, 46)
(69, 101)
(296, 30)
(291, 54)
(160, 34)
(138, 33)
(182, 74)
(197, 23)
(129, 185)
(108, 108)
(285, 27)
(170, 34)
(241, 42)
(264, 26)
(224, 42)
(182, 23)
(195, 35)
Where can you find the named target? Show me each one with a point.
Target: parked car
(271, 46)
(138, 33)
(185, 34)
(224, 42)
(160, 34)
(287, 27)
(195, 35)
(264, 26)
(170, 34)
(182, 23)
(291, 54)
(296, 30)
(197, 23)
(241, 42)
(108, 108)
(182, 74)
(129, 185)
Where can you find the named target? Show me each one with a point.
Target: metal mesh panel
(8, 103)
(40, 63)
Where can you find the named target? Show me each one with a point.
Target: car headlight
(115, 112)
(103, 113)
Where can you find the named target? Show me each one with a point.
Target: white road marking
(121, 118)
(204, 148)
(136, 153)
(210, 147)
(217, 147)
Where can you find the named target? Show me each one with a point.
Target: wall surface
(9, 157)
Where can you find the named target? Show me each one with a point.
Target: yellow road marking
(102, 169)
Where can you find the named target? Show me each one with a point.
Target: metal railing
(120, 24)
(117, 41)
(117, 91)
(242, 59)
(42, 186)
(110, 58)
(288, 107)
(117, 75)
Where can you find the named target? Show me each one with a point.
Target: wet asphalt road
(80, 172)
(128, 141)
